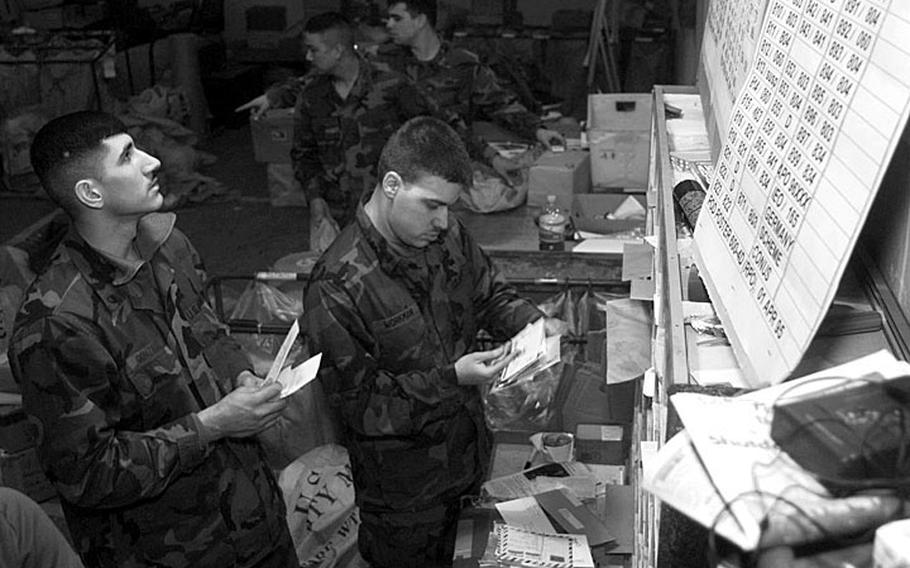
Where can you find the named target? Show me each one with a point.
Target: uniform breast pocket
(400, 338)
(151, 369)
(327, 131)
(448, 92)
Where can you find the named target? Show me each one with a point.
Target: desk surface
(511, 240)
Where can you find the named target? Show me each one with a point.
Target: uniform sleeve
(284, 94)
(222, 352)
(68, 381)
(499, 104)
(305, 154)
(372, 401)
(411, 102)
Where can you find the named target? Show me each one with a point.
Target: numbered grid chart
(732, 29)
(808, 142)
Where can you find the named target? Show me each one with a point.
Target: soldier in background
(346, 109)
(457, 83)
(147, 408)
(394, 305)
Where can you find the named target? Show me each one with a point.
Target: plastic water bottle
(552, 226)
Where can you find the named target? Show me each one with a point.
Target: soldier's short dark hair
(426, 146)
(418, 7)
(69, 148)
(332, 24)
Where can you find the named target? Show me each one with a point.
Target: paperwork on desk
(725, 471)
(521, 547)
(567, 513)
(583, 480)
(613, 242)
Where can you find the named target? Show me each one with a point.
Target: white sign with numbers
(732, 30)
(809, 139)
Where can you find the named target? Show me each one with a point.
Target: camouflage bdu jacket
(464, 90)
(337, 141)
(114, 361)
(390, 329)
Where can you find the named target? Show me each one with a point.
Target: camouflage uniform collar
(392, 261)
(387, 257)
(365, 78)
(362, 85)
(450, 55)
(100, 268)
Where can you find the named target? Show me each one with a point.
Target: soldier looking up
(394, 305)
(457, 83)
(147, 408)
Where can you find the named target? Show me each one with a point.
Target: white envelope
(293, 379)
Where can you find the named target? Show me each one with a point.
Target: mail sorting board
(809, 140)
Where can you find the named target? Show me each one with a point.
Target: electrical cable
(899, 485)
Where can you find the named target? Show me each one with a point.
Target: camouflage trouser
(424, 539)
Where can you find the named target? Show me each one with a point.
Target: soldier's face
(420, 210)
(402, 26)
(322, 54)
(127, 178)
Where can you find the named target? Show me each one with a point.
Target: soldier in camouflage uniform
(457, 83)
(345, 113)
(146, 408)
(394, 305)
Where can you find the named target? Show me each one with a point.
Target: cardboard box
(601, 444)
(619, 138)
(21, 471)
(562, 174)
(261, 23)
(273, 136)
(591, 212)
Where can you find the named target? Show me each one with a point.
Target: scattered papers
(598, 244)
(727, 473)
(577, 477)
(630, 208)
(574, 517)
(525, 513)
(521, 547)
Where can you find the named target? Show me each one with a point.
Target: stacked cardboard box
(562, 174)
